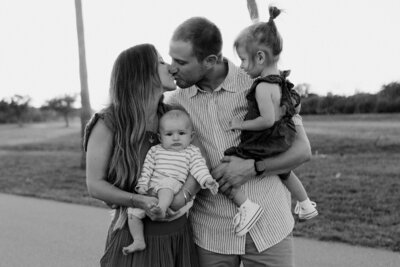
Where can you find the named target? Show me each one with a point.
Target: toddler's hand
(212, 185)
(235, 124)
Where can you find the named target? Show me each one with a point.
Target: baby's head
(175, 130)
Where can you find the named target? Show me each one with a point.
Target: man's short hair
(204, 36)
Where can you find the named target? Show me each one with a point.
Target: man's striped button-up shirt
(212, 216)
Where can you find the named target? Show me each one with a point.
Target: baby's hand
(235, 124)
(212, 185)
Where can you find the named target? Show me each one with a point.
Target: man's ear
(210, 61)
(261, 57)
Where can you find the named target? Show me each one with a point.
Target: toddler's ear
(159, 137)
(193, 134)
(261, 57)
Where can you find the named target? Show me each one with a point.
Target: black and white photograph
(213, 133)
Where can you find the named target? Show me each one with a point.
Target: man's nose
(172, 69)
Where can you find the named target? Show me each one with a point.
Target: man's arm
(234, 171)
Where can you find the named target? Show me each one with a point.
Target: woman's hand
(156, 214)
(147, 203)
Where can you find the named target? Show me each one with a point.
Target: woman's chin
(169, 88)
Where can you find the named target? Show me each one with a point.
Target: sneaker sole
(308, 216)
(251, 223)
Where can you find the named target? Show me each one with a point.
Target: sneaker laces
(298, 208)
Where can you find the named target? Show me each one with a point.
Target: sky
(337, 46)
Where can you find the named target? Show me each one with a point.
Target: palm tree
(86, 110)
(253, 10)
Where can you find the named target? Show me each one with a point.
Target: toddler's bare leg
(295, 187)
(239, 198)
(136, 228)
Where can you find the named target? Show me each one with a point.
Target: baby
(165, 169)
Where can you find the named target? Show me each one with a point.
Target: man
(213, 90)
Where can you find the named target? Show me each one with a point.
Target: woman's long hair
(134, 86)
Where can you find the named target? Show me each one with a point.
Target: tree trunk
(66, 119)
(86, 110)
(253, 10)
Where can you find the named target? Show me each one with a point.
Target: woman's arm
(97, 158)
(191, 186)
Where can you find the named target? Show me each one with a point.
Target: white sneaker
(248, 215)
(306, 212)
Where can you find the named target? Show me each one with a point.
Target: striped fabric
(211, 216)
(161, 163)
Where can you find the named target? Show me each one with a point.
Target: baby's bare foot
(137, 245)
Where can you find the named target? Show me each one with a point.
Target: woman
(117, 140)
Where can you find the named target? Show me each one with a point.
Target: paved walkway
(41, 233)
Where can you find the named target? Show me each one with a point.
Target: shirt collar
(228, 84)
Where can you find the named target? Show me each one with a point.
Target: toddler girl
(267, 128)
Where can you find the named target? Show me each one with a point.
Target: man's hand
(232, 173)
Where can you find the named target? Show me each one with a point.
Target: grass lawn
(43, 160)
(354, 174)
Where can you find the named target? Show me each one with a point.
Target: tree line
(387, 100)
(17, 109)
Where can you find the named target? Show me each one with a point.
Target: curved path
(40, 233)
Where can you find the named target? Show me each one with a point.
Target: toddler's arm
(264, 96)
(191, 186)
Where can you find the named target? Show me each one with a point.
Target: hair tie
(273, 12)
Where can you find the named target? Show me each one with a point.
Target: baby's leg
(165, 197)
(136, 229)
